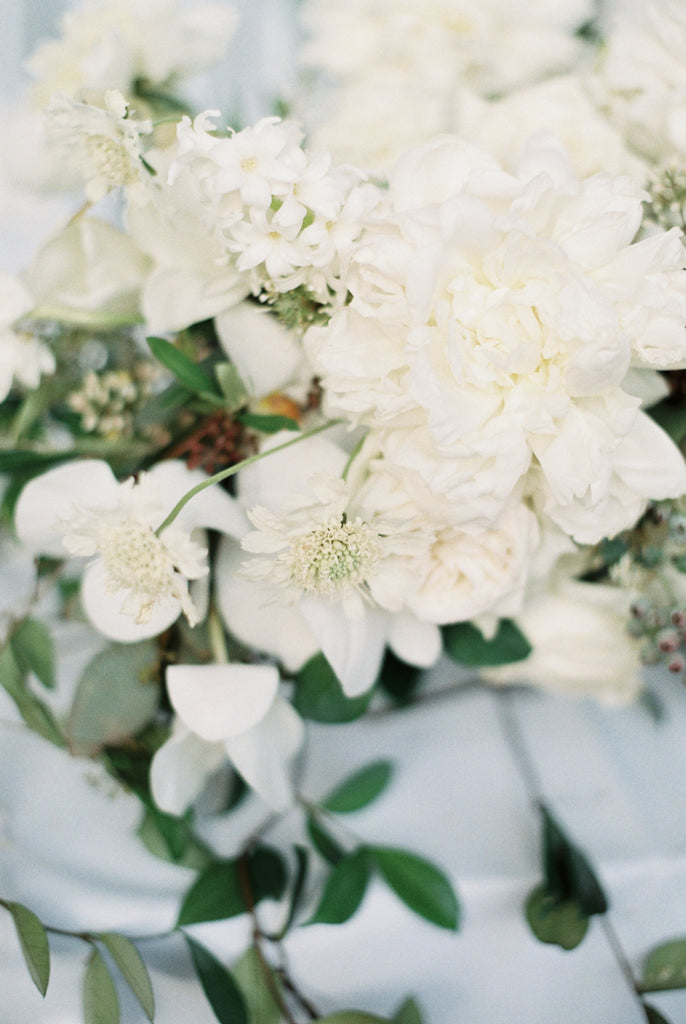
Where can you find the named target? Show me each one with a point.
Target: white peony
(494, 316)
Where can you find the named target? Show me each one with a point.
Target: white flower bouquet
(281, 430)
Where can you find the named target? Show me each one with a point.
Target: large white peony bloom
(494, 317)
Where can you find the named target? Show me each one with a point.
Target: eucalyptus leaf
(222, 991)
(219, 892)
(249, 974)
(568, 873)
(34, 650)
(654, 1016)
(330, 849)
(130, 963)
(408, 1013)
(33, 940)
(319, 696)
(267, 423)
(359, 789)
(34, 712)
(467, 645)
(665, 967)
(344, 890)
(100, 1001)
(117, 695)
(172, 839)
(419, 884)
(188, 372)
(559, 923)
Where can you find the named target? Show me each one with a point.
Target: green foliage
(172, 838)
(408, 1013)
(398, 679)
(422, 886)
(560, 923)
(665, 967)
(232, 387)
(297, 890)
(34, 712)
(323, 841)
(467, 645)
(318, 694)
(249, 974)
(100, 1001)
(135, 973)
(116, 696)
(654, 1016)
(671, 416)
(353, 1017)
(34, 650)
(267, 424)
(359, 789)
(222, 991)
(222, 890)
(344, 890)
(188, 372)
(33, 940)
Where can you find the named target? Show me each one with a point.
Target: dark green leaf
(16, 460)
(467, 645)
(100, 1002)
(220, 891)
(359, 789)
(344, 890)
(223, 994)
(130, 963)
(568, 874)
(671, 416)
(302, 862)
(419, 884)
(267, 424)
(408, 1013)
(654, 1016)
(324, 842)
(399, 679)
(353, 1017)
(318, 694)
(117, 695)
(249, 974)
(34, 650)
(665, 967)
(172, 839)
(184, 369)
(34, 712)
(33, 940)
(559, 923)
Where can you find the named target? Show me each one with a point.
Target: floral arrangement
(281, 430)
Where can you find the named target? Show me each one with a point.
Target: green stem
(224, 474)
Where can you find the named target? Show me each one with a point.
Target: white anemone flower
(232, 712)
(136, 583)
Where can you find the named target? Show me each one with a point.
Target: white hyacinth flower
(136, 582)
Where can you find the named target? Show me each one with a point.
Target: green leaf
(34, 650)
(184, 369)
(359, 789)
(117, 695)
(130, 963)
(408, 1013)
(100, 1002)
(665, 967)
(324, 842)
(399, 679)
(654, 1016)
(33, 940)
(267, 424)
(568, 874)
(467, 645)
(671, 416)
(353, 1017)
(419, 884)
(344, 890)
(219, 891)
(302, 863)
(559, 923)
(318, 694)
(34, 712)
(223, 994)
(249, 976)
(232, 387)
(172, 839)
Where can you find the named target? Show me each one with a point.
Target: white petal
(353, 647)
(211, 508)
(267, 355)
(52, 495)
(179, 769)
(262, 755)
(649, 461)
(219, 702)
(103, 609)
(414, 641)
(286, 472)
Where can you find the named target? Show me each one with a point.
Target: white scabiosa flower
(103, 144)
(23, 358)
(135, 583)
